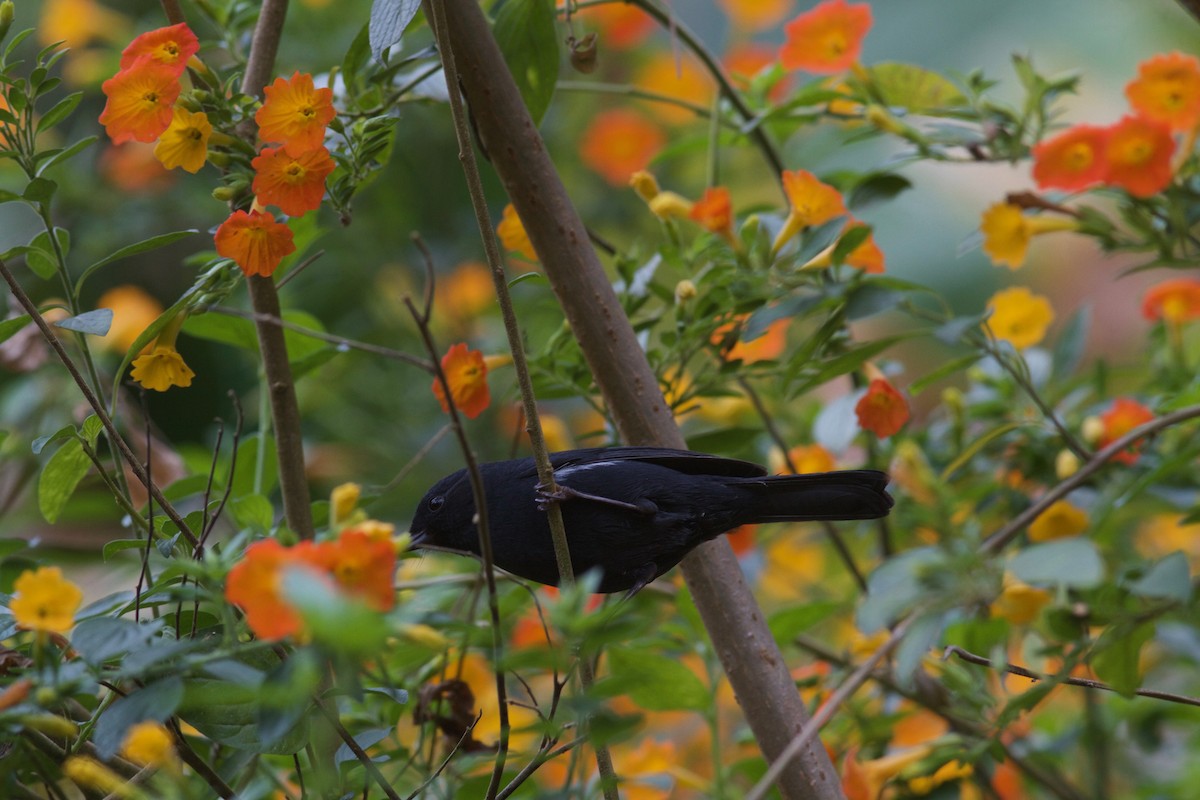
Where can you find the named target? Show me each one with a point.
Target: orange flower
(768, 345)
(1167, 90)
(812, 203)
(512, 234)
(826, 39)
(171, 47)
(621, 25)
(1175, 301)
(810, 458)
(466, 292)
(618, 143)
(1138, 156)
(255, 584)
(882, 410)
(295, 113)
(714, 211)
(255, 241)
(867, 256)
(140, 102)
(466, 374)
(1123, 416)
(677, 76)
(362, 566)
(745, 60)
(133, 311)
(294, 183)
(741, 539)
(755, 15)
(1072, 160)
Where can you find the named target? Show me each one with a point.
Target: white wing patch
(566, 472)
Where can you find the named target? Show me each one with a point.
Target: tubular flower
(255, 241)
(680, 77)
(714, 212)
(812, 203)
(171, 46)
(133, 311)
(1019, 317)
(185, 142)
(1174, 302)
(670, 205)
(294, 183)
(618, 143)
(1007, 231)
(1020, 603)
(512, 234)
(769, 344)
(809, 458)
(1122, 417)
(644, 184)
(89, 773)
(1060, 520)
(755, 15)
(827, 39)
(140, 102)
(162, 368)
(882, 410)
(255, 584)
(466, 374)
(149, 745)
(363, 567)
(1167, 90)
(1072, 160)
(865, 256)
(295, 113)
(1138, 156)
(45, 601)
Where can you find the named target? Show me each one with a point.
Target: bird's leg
(545, 497)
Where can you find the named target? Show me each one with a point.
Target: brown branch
(1086, 683)
(1192, 7)
(355, 748)
(751, 658)
(110, 429)
(281, 388)
(996, 542)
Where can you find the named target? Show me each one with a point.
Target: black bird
(633, 512)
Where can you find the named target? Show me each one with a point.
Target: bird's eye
(436, 502)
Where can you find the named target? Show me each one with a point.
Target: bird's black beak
(419, 538)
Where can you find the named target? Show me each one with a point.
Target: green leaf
(895, 587)
(95, 322)
(389, 18)
(60, 476)
(40, 190)
(41, 262)
(60, 156)
(1068, 352)
(39, 444)
(655, 682)
(949, 368)
(59, 111)
(156, 701)
(240, 332)
(9, 327)
(1070, 562)
(115, 546)
(789, 623)
(100, 639)
(253, 511)
(526, 34)
(876, 187)
(978, 443)
(1117, 656)
(154, 242)
(1168, 579)
(91, 429)
(916, 89)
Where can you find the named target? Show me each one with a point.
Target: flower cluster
(360, 564)
(141, 98)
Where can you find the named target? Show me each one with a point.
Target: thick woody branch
(749, 654)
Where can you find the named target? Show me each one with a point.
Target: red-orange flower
(621, 25)
(764, 347)
(255, 241)
(1175, 301)
(618, 143)
(363, 567)
(140, 102)
(882, 410)
(171, 46)
(1167, 90)
(466, 374)
(867, 256)
(1072, 160)
(826, 39)
(255, 584)
(1123, 416)
(714, 211)
(295, 113)
(1138, 156)
(295, 184)
(811, 203)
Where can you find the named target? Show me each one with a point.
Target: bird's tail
(848, 494)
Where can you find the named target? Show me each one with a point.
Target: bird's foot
(545, 496)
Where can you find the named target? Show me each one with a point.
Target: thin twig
(827, 709)
(1086, 683)
(97, 407)
(996, 542)
(367, 762)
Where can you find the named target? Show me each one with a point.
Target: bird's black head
(445, 519)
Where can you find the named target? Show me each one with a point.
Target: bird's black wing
(683, 461)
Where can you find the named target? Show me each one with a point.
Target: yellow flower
(162, 368)
(185, 143)
(1165, 533)
(1059, 521)
(513, 236)
(149, 745)
(133, 311)
(644, 184)
(342, 501)
(1007, 231)
(1019, 317)
(89, 773)
(45, 600)
(950, 771)
(1020, 603)
(811, 201)
(669, 205)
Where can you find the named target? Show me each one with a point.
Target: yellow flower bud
(669, 205)
(51, 725)
(342, 501)
(881, 118)
(644, 184)
(685, 290)
(89, 773)
(425, 636)
(1066, 464)
(1092, 430)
